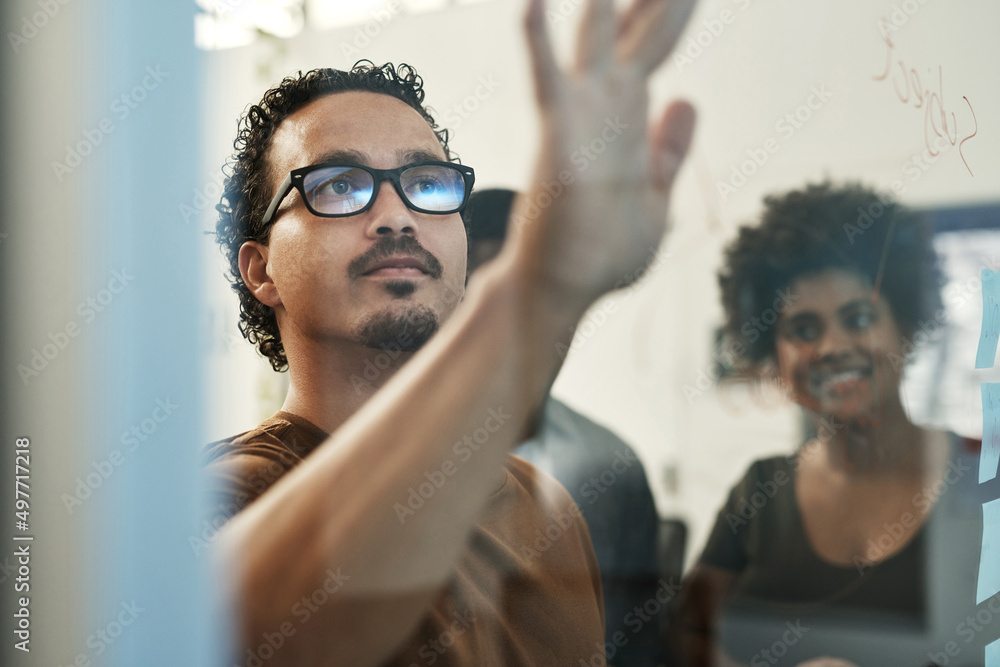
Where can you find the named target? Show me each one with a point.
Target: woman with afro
(840, 537)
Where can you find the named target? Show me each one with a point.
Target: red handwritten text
(909, 88)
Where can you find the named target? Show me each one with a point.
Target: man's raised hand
(596, 209)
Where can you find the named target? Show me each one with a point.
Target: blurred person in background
(379, 518)
(838, 534)
(602, 473)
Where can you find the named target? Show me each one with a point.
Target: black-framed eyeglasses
(337, 190)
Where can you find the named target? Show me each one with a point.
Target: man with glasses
(381, 518)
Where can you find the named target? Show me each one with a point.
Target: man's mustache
(387, 246)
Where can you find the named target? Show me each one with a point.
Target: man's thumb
(671, 138)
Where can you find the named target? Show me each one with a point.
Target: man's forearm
(497, 352)
(487, 368)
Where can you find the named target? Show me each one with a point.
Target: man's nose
(390, 214)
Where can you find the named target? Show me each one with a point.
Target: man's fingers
(653, 31)
(543, 63)
(595, 45)
(671, 139)
(630, 15)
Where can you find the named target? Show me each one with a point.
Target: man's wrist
(538, 301)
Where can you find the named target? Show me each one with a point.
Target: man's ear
(253, 268)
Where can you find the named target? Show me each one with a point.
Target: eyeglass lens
(345, 190)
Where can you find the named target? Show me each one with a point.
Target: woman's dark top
(790, 605)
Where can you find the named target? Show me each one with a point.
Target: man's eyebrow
(358, 157)
(420, 155)
(343, 155)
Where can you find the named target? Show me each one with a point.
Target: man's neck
(329, 384)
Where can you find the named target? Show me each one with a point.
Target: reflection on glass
(840, 549)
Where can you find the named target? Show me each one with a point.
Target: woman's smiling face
(838, 347)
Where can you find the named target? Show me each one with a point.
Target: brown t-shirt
(527, 590)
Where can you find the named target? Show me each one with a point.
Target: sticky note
(991, 319)
(989, 561)
(989, 455)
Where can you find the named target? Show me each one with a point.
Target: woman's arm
(694, 623)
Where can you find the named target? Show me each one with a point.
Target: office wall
(644, 370)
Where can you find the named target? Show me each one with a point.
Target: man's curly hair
(247, 190)
(823, 226)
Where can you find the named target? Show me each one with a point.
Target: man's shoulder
(242, 467)
(279, 437)
(545, 491)
(528, 474)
